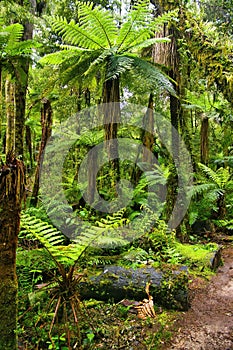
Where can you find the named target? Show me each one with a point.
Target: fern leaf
(99, 21)
(118, 65)
(135, 19)
(151, 74)
(211, 174)
(75, 35)
(15, 32)
(147, 43)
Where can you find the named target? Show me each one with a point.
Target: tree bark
(11, 194)
(204, 140)
(21, 86)
(148, 133)
(10, 116)
(111, 94)
(46, 123)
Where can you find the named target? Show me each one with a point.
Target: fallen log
(168, 289)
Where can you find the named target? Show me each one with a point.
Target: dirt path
(208, 325)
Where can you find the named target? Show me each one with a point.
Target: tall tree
(22, 82)
(46, 125)
(11, 195)
(12, 49)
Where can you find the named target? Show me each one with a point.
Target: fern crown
(98, 40)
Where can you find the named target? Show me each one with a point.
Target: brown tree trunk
(148, 133)
(204, 140)
(22, 84)
(11, 194)
(46, 123)
(111, 94)
(10, 116)
(1, 111)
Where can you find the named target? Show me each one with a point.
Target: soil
(208, 325)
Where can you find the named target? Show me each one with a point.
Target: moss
(8, 306)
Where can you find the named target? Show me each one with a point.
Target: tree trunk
(11, 195)
(204, 140)
(111, 94)
(1, 111)
(148, 133)
(147, 141)
(29, 145)
(46, 123)
(21, 85)
(167, 54)
(10, 116)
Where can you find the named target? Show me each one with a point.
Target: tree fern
(104, 43)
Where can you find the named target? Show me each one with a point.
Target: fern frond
(201, 189)
(76, 35)
(118, 65)
(211, 174)
(147, 43)
(99, 21)
(15, 32)
(137, 18)
(152, 76)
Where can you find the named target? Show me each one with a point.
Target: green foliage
(98, 41)
(12, 48)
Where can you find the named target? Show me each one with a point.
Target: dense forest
(116, 175)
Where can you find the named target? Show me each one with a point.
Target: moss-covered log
(168, 289)
(11, 194)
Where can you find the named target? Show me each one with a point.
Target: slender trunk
(21, 86)
(148, 133)
(91, 174)
(46, 123)
(1, 103)
(111, 94)
(20, 103)
(147, 141)
(10, 117)
(204, 140)
(29, 145)
(11, 195)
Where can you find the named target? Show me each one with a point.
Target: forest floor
(208, 324)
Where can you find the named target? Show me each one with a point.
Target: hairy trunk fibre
(11, 195)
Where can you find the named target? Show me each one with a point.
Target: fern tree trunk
(168, 54)
(148, 133)
(147, 140)
(111, 94)
(204, 140)
(11, 195)
(10, 116)
(1, 110)
(46, 123)
(22, 84)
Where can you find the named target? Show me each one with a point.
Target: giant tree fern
(99, 42)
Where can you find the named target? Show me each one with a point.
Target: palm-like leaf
(75, 34)
(99, 22)
(135, 26)
(101, 43)
(221, 177)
